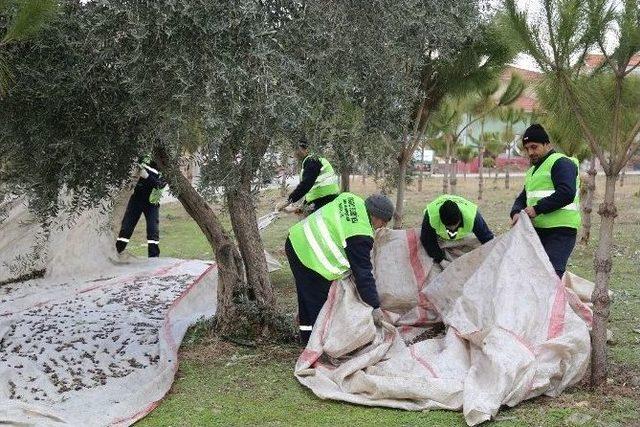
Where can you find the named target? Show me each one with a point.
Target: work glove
(143, 172)
(378, 316)
(444, 264)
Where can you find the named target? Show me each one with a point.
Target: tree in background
(484, 140)
(510, 116)
(483, 103)
(444, 125)
(465, 154)
(604, 101)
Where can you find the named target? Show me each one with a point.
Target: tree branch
(577, 110)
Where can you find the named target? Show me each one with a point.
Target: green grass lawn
(222, 384)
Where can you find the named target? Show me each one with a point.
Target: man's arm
(519, 204)
(563, 175)
(310, 173)
(359, 256)
(429, 240)
(481, 229)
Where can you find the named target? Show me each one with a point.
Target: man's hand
(514, 219)
(280, 206)
(444, 263)
(378, 316)
(531, 211)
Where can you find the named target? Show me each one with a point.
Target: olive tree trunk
(228, 260)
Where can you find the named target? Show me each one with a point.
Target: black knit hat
(303, 143)
(450, 213)
(535, 133)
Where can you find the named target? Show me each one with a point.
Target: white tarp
(513, 330)
(94, 342)
(97, 352)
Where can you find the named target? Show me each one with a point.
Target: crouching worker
(330, 242)
(451, 218)
(144, 200)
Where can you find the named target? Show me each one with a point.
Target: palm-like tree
(25, 18)
(485, 102)
(465, 154)
(484, 141)
(509, 116)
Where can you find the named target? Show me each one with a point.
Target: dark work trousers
(558, 247)
(312, 290)
(139, 204)
(318, 203)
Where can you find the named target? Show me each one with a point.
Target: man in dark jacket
(144, 200)
(451, 217)
(329, 243)
(550, 197)
(318, 181)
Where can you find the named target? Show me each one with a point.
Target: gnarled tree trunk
(228, 260)
(245, 227)
(587, 193)
(602, 264)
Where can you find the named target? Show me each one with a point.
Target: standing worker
(451, 217)
(550, 197)
(145, 199)
(330, 242)
(318, 182)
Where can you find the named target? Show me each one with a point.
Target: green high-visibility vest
(326, 183)
(319, 240)
(538, 184)
(467, 209)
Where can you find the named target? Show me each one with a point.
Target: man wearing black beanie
(550, 197)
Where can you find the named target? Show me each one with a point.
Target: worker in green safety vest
(318, 185)
(450, 217)
(550, 197)
(331, 243)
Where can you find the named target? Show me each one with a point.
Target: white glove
(143, 172)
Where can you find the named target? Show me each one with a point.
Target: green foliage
(466, 153)
(20, 20)
(603, 102)
(180, 75)
(29, 18)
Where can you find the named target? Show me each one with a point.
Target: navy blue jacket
(310, 172)
(359, 256)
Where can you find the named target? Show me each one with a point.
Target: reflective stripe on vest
(538, 185)
(319, 241)
(467, 209)
(326, 183)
